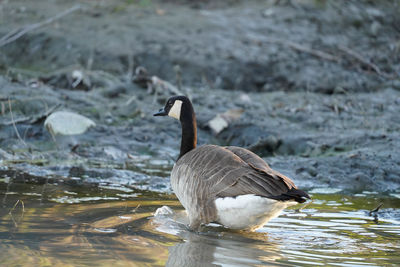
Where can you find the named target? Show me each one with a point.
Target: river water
(59, 225)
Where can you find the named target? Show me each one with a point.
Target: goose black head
(174, 107)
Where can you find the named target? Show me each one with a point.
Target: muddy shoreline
(318, 82)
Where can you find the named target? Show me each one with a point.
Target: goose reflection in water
(215, 246)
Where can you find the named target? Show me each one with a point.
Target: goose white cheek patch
(175, 111)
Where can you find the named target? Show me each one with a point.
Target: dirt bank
(318, 82)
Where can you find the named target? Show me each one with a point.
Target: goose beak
(161, 112)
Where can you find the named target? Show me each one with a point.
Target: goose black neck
(189, 129)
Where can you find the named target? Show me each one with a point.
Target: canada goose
(228, 185)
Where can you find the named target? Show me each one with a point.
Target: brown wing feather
(233, 171)
(260, 165)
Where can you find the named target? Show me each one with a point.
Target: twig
(130, 100)
(3, 108)
(23, 206)
(25, 72)
(178, 73)
(316, 53)
(330, 57)
(22, 214)
(364, 61)
(45, 114)
(374, 213)
(13, 123)
(305, 49)
(32, 119)
(16, 121)
(138, 206)
(163, 86)
(131, 64)
(90, 60)
(43, 189)
(376, 209)
(12, 218)
(18, 33)
(10, 33)
(99, 74)
(61, 71)
(8, 188)
(13, 208)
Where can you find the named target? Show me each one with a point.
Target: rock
(375, 28)
(163, 211)
(268, 12)
(297, 145)
(253, 137)
(245, 99)
(268, 144)
(141, 77)
(222, 120)
(67, 123)
(114, 153)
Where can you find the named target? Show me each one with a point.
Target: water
(59, 225)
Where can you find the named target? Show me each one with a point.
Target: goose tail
(293, 194)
